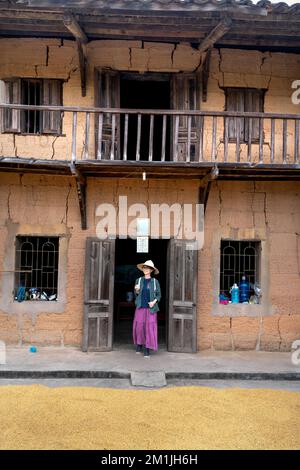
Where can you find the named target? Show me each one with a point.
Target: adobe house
(161, 102)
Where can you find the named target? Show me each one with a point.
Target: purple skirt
(145, 328)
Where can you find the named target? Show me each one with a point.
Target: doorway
(126, 272)
(145, 91)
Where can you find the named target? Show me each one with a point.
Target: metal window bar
(238, 258)
(31, 95)
(39, 255)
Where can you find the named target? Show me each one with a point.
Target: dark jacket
(155, 293)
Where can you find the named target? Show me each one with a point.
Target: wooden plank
(284, 140)
(125, 137)
(113, 136)
(100, 128)
(175, 151)
(201, 132)
(296, 144)
(73, 26)
(87, 136)
(272, 154)
(226, 135)
(138, 140)
(261, 140)
(74, 133)
(164, 133)
(249, 147)
(214, 139)
(188, 155)
(151, 130)
(237, 144)
(217, 32)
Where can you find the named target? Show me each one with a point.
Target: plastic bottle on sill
(244, 290)
(234, 294)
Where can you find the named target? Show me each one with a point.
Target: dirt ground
(38, 417)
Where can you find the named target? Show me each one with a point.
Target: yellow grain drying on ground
(37, 417)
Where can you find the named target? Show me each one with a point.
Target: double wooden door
(181, 295)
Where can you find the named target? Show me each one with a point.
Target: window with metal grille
(239, 258)
(36, 276)
(31, 92)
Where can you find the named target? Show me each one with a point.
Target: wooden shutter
(253, 103)
(185, 95)
(235, 101)
(99, 291)
(182, 295)
(11, 94)
(52, 96)
(108, 96)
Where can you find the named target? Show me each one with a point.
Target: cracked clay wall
(266, 211)
(51, 58)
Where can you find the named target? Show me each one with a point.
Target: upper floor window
(245, 100)
(34, 92)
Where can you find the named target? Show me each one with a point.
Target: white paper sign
(142, 244)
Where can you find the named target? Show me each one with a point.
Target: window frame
(55, 117)
(38, 267)
(245, 93)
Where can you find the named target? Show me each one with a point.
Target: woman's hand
(151, 304)
(137, 288)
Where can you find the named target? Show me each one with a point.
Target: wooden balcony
(161, 142)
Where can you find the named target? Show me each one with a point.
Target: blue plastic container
(244, 290)
(32, 349)
(234, 294)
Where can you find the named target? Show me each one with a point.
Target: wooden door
(108, 96)
(185, 96)
(182, 295)
(99, 294)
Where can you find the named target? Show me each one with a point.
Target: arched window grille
(239, 258)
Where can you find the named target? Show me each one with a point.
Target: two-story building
(164, 103)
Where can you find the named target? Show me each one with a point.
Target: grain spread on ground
(38, 417)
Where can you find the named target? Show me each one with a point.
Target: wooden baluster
(238, 133)
(296, 157)
(214, 140)
(249, 149)
(87, 136)
(164, 133)
(284, 139)
(201, 130)
(138, 140)
(125, 137)
(188, 154)
(272, 140)
(226, 138)
(176, 139)
(151, 138)
(74, 133)
(261, 140)
(100, 129)
(113, 136)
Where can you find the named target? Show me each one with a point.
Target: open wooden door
(99, 295)
(185, 96)
(107, 95)
(182, 295)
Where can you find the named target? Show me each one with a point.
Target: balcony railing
(157, 136)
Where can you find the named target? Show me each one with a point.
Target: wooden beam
(205, 185)
(219, 31)
(73, 26)
(83, 66)
(81, 193)
(205, 74)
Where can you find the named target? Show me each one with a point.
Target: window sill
(241, 310)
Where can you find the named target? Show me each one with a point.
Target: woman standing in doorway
(147, 291)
